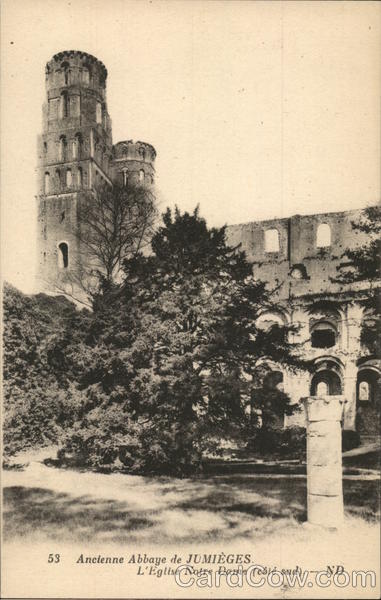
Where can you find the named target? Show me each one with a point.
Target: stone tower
(76, 155)
(133, 161)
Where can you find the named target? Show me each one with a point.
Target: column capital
(324, 408)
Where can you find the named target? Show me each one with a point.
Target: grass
(42, 503)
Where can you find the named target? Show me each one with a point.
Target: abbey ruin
(298, 255)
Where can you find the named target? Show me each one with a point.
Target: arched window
(65, 69)
(368, 396)
(58, 179)
(326, 382)
(98, 113)
(85, 76)
(323, 236)
(268, 319)
(79, 141)
(74, 148)
(47, 183)
(63, 255)
(325, 325)
(64, 105)
(272, 240)
(323, 335)
(68, 178)
(273, 380)
(45, 147)
(62, 148)
(141, 175)
(322, 389)
(80, 177)
(364, 391)
(125, 178)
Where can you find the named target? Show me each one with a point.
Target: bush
(108, 440)
(289, 442)
(349, 439)
(39, 401)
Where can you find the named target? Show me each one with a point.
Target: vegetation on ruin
(363, 264)
(164, 366)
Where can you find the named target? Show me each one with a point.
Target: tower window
(68, 178)
(141, 175)
(47, 183)
(65, 67)
(45, 147)
(125, 178)
(64, 106)
(98, 115)
(74, 149)
(77, 146)
(63, 255)
(62, 217)
(80, 177)
(58, 178)
(85, 76)
(323, 236)
(62, 148)
(271, 240)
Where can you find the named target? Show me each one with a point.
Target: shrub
(349, 439)
(288, 442)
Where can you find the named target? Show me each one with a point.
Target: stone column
(324, 471)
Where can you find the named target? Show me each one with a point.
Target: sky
(257, 110)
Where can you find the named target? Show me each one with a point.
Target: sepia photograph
(191, 308)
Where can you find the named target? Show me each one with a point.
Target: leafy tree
(39, 399)
(362, 266)
(172, 351)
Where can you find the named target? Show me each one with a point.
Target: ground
(48, 509)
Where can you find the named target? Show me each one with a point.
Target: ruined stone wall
(299, 264)
(299, 258)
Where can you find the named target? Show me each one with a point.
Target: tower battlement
(129, 149)
(134, 162)
(72, 67)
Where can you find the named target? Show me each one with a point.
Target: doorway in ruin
(368, 402)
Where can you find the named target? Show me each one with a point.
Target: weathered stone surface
(325, 482)
(327, 511)
(324, 471)
(75, 156)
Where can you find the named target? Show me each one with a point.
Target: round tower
(74, 155)
(134, 162)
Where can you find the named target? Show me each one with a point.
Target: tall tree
(168, 362)
(114, 224)
(363, 265)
